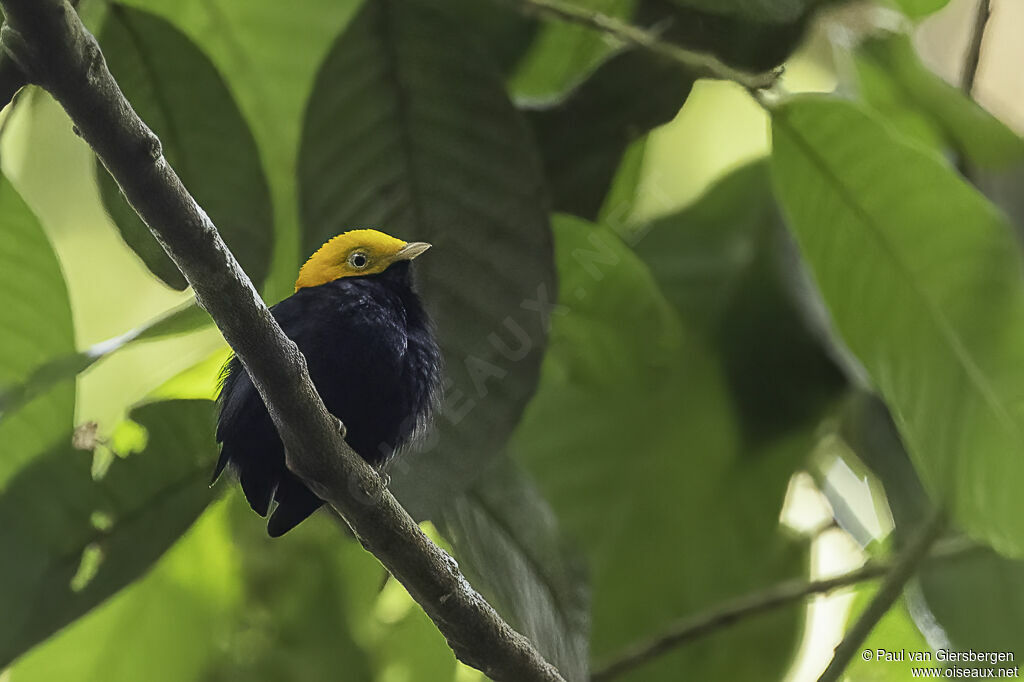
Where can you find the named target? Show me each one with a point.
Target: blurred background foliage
(696, 346)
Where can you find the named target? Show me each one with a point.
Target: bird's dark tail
(295, 503)
(221, 463)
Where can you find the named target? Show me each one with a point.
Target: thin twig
(973, 58)
(703, 64)
(762, 601)
(903, 570)
(972, 61)
(48, 42)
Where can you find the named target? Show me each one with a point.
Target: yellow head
(355, 253)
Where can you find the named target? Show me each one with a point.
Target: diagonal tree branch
(49, 44)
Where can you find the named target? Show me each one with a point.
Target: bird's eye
(357, 260)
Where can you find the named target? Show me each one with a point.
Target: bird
(371, 352)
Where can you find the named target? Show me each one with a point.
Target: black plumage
(371, 354)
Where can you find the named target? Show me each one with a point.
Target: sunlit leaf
(407, 131)
(922, 278)
(35, 326)
(204, 136)
(918, 9)
(51, 511)
(895, 633)
(894, 81)
(507, 541)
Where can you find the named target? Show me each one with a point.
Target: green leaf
(726, 264)
(410, 130)
(699, 255)
(205, 138)
(35, 325)
(55, 514)
(894, 81)
(182, 319)
(621, 199)
(500, 29)
(563, 54)
(584, 136)
(918, 9)
(896, 632)
(408, 646)
(923, 106)
(268, 53)
(305, 594)
(632, 440)
(922, 278)
(168, 626)
(977, 600)
(507, 541)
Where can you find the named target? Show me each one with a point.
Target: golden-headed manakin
(371, 354)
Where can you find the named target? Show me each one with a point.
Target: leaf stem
(903, 570)
(635, 36)
(972, 61)
(782, 594)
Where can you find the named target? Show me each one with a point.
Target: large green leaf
(410, 130)
(68, 541)
(205, 138)
(268, 53)
(725, 264)
(922, 278)
(584, 136)
(632, 440)
(35, 326)
(500, 29)
(894, 81)
(507, 540)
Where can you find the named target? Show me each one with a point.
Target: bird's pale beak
(411, 250)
